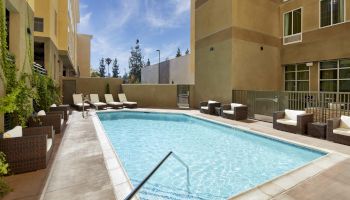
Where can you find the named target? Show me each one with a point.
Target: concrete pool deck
(80, 170)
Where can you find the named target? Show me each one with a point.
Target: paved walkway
(79, 171)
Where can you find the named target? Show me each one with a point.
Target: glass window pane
(297, 21)
(344, 73)
(290, 76)
(290, 86)
(326, 10)
(344, 63)
(302, 67)
(303, 76)
(344, 86)
(303, 85)
(338, 11)
(329, 64)
(288, 24)
(290, 68)
(328, 86)
(329, 74)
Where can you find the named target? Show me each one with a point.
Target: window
(292, 26)
(296, 77)
(38, 24)
(331, 12)
(335, 76)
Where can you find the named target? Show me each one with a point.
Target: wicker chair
(294, 123)
(338, 131)
(30, 152)
(64, 108)
(53, 118)
(208, 107)
(234, 111)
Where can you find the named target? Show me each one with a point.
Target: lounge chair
(126, 103)
(111, 103)
(28, 149)
(95, 101)
(234, 111)
(64, 108)
(78, 102)
(54, 119)
(338, 130)
(294, 121)
(208, 107)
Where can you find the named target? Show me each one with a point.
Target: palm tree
(108, 62)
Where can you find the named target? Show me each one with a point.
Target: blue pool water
(223, 161)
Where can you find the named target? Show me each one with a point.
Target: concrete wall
(84, 54)
(149, 75)
(155, 96)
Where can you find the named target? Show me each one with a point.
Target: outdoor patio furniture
(111, 103)
(317, 129)
(64, 108)
(338, 130)
(54, 118)
(29, 152)
(78, 102)
(126, 103)
(95, 101)
(234, 111)
(208, 107)
(293, 121)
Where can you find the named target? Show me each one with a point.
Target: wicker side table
(218, 111)
(317, 130)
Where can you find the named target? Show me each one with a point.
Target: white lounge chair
(78, 102)
(95, 101)
(110, 102)
(126, 103)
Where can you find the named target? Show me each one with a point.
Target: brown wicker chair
(53, 118)
(239, 112)
(301, 123)
(334, 135)
(29, 152)
(208, 108)
(64, 108)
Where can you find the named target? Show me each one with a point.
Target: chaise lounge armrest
(278, 115)
(226, 107)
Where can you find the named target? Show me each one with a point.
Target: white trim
(332, 24)
(301, 27)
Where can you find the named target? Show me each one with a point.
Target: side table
(218, 111)
(317, 130)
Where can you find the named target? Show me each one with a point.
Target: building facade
(84, 55)
(292, 45)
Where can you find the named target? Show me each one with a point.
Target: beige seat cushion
(115, 103)
(100, 104)
(230, 112)
(129, 102)
(48, 144)
(345, 122)
(77, 98)
(81, 104)
(41, 113)
(211, 101)
(204, 107)
(342, 131)
(109, 98)
(62, 122)
(233, 105)
(15, 132)
(293, 114)
(287, 122)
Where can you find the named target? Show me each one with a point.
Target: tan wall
(155, 96)
(83, 55)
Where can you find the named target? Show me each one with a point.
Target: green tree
(95, 74)
(178, 53)
(187, 52)
(108, 62)
(115, 68)
(102, 68)
(136, 63)
(125, 78)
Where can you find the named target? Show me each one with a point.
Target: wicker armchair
(64, 108)
(53, 118)
(30, 152)
(337, 132)
(294, 124)
(208, 107)
(234, 111)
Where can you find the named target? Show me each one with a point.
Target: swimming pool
(223, 161)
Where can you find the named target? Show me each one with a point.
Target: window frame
(301, 28)
(296, 80)
(338, 79)
(43, 24)
(332, 24)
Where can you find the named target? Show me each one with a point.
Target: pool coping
(122, 184)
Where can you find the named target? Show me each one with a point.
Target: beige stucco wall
(83, 54)
(155, 96)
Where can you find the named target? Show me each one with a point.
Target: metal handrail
(135, 190)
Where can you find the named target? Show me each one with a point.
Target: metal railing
(324, 105)
(39, 69)
(135, 190)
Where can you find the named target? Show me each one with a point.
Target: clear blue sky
(116, 24)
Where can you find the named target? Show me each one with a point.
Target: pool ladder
(135, 190)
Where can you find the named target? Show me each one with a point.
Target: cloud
(85, 23)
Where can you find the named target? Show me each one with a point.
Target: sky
(116, 24)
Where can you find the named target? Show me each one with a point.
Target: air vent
(292, 39)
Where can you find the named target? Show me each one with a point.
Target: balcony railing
(39, 69)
